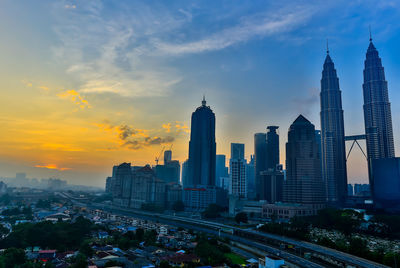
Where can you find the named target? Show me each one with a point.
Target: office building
(350, 190)
(304, 182)
(237, 171)
(332, 135)
(271, 186)
(272, 156)
(221, 170)
(377, 112)
(260, 158)
(251, 179)
(202, 147)
(386, 193)
(170, 171)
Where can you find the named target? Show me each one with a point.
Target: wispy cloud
(52, 166)
(75, 97)
(260, 25)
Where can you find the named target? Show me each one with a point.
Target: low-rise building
(288, 211)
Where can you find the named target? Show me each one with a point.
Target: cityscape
(311, 188)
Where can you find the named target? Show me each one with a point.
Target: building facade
(202, 147)
(304, 182)
(332, 135)
(237, 171)
(272, 185)
(260, 158)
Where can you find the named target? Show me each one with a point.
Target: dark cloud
(126, 132)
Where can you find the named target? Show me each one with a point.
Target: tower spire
(203, 102)
(370, 34)
(327, 46)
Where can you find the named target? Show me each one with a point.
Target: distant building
(271, 186)
(362, 190)
(286, 211)
(221, 170)
(350, 190)
(260, 157)
(170, 171)
(109, 182)
(386, 193)
(272, 148)
(199, 198)
(225, 183)
(237, 166)
(3, 188)
(173, 193)
(304, 182)
(251, 179)
(185, 173)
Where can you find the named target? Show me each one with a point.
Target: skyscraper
(304, 182)
(377, 113)
(272, 156)
(250, 179)
(260, 158)
(237, 165)
(221, 170)
(332, 135)
(202, 147)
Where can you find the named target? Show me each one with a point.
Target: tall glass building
(202, 147)
(260, 158)
(304, 182)
(377, 113)
(332, 135)
(272, 147)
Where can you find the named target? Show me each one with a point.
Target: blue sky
(74, 65)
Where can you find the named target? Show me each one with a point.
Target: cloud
(61, 147)
(181, 127)
(27, 83)
(260, 25)
(133, 138)
(111, 53)
(75, 97)
(52, 166)
(44, 88)
(167, 127)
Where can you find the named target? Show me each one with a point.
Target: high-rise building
(332, 135)
(202, 147)
(377, 112)
(237, 166)
(123, 185)
(251, 179)
(185, 173)
(221, 170)
(260, 158)
(272, 185)
(304, 182)
(170, 171)
(272, 157)
(350, 190)
(200, 188)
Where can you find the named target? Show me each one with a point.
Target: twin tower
(377, 120)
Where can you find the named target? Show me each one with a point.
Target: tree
(178, 206)
(12, 257)
(164, 264)
(86, 249)
(212, 211)
(241, 217)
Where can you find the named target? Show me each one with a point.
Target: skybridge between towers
(355, 139)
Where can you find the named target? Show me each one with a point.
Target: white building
(270, 262)
(237, 168)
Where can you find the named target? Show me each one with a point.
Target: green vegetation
(212, 211)
(132, 239)
(235, 259)
(15, 258)
(211, 251)
(241, 217)
(61, 235)
(347, 222)
(152, 207)
(178, 206)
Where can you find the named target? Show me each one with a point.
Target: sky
(86, 85)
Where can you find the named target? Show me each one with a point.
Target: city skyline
(78, 100)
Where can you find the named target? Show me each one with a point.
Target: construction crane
(158, 157)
